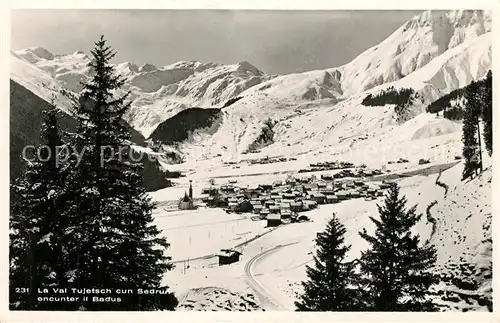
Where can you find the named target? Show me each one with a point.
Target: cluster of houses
(283, 201)
(270, 160)
(348, 169)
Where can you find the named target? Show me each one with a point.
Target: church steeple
(190, 189)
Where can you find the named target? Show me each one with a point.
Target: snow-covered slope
(412, 46)
(329, 126)
(456, 220)
(318, 113)
(39, 82)
(156, 93)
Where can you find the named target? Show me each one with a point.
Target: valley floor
(456, 218)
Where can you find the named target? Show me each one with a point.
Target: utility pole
(479, 143)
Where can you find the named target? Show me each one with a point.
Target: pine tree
(487, 112)
(331, 282)
(37, 257)
(469, 129)
(396, 268)
(119, 245)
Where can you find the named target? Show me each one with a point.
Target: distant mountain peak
(245, 66)
(147, 68)
(35, 54)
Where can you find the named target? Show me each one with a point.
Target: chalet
(273, 220)
(423, 161)
(368, 172)
(310, 204)
(277, 183)
(227, 189)
(342, 195)
(285, 205)
(244, 206)
(331, 199)
(251, 193)
(358, 183)
(354, 194)
(264, 197)
(337, 184)
(265, 187)
(338, 175)
(326, 177)
(222, 203)
(208, 190)
(274, 209)
(326, 191)
(285, 213)
(308, 187)
(321, 185)
(258, 208)
(385, 185)
(233, 181)
(305, 179)
(275, 195)
(264, 212)
(233, 206)
(228, 256)
(289, 196)
(255, 201)
(296, 206)
(269, 203)
(349, 185)
(318, 197)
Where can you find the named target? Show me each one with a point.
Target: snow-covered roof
(274, 216)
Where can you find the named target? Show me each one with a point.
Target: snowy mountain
(156, 93)
(160, 93)
(216, 120)
(339, 120)
(316, 113)
(412, 46)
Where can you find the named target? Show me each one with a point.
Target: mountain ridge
(434, 53)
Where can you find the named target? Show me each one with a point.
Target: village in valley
(285, 201)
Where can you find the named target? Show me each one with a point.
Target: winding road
(264, 295)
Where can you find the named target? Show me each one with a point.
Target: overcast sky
(277, 42)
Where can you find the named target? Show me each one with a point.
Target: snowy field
(273, 265)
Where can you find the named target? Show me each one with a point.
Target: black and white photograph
(250, 160)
